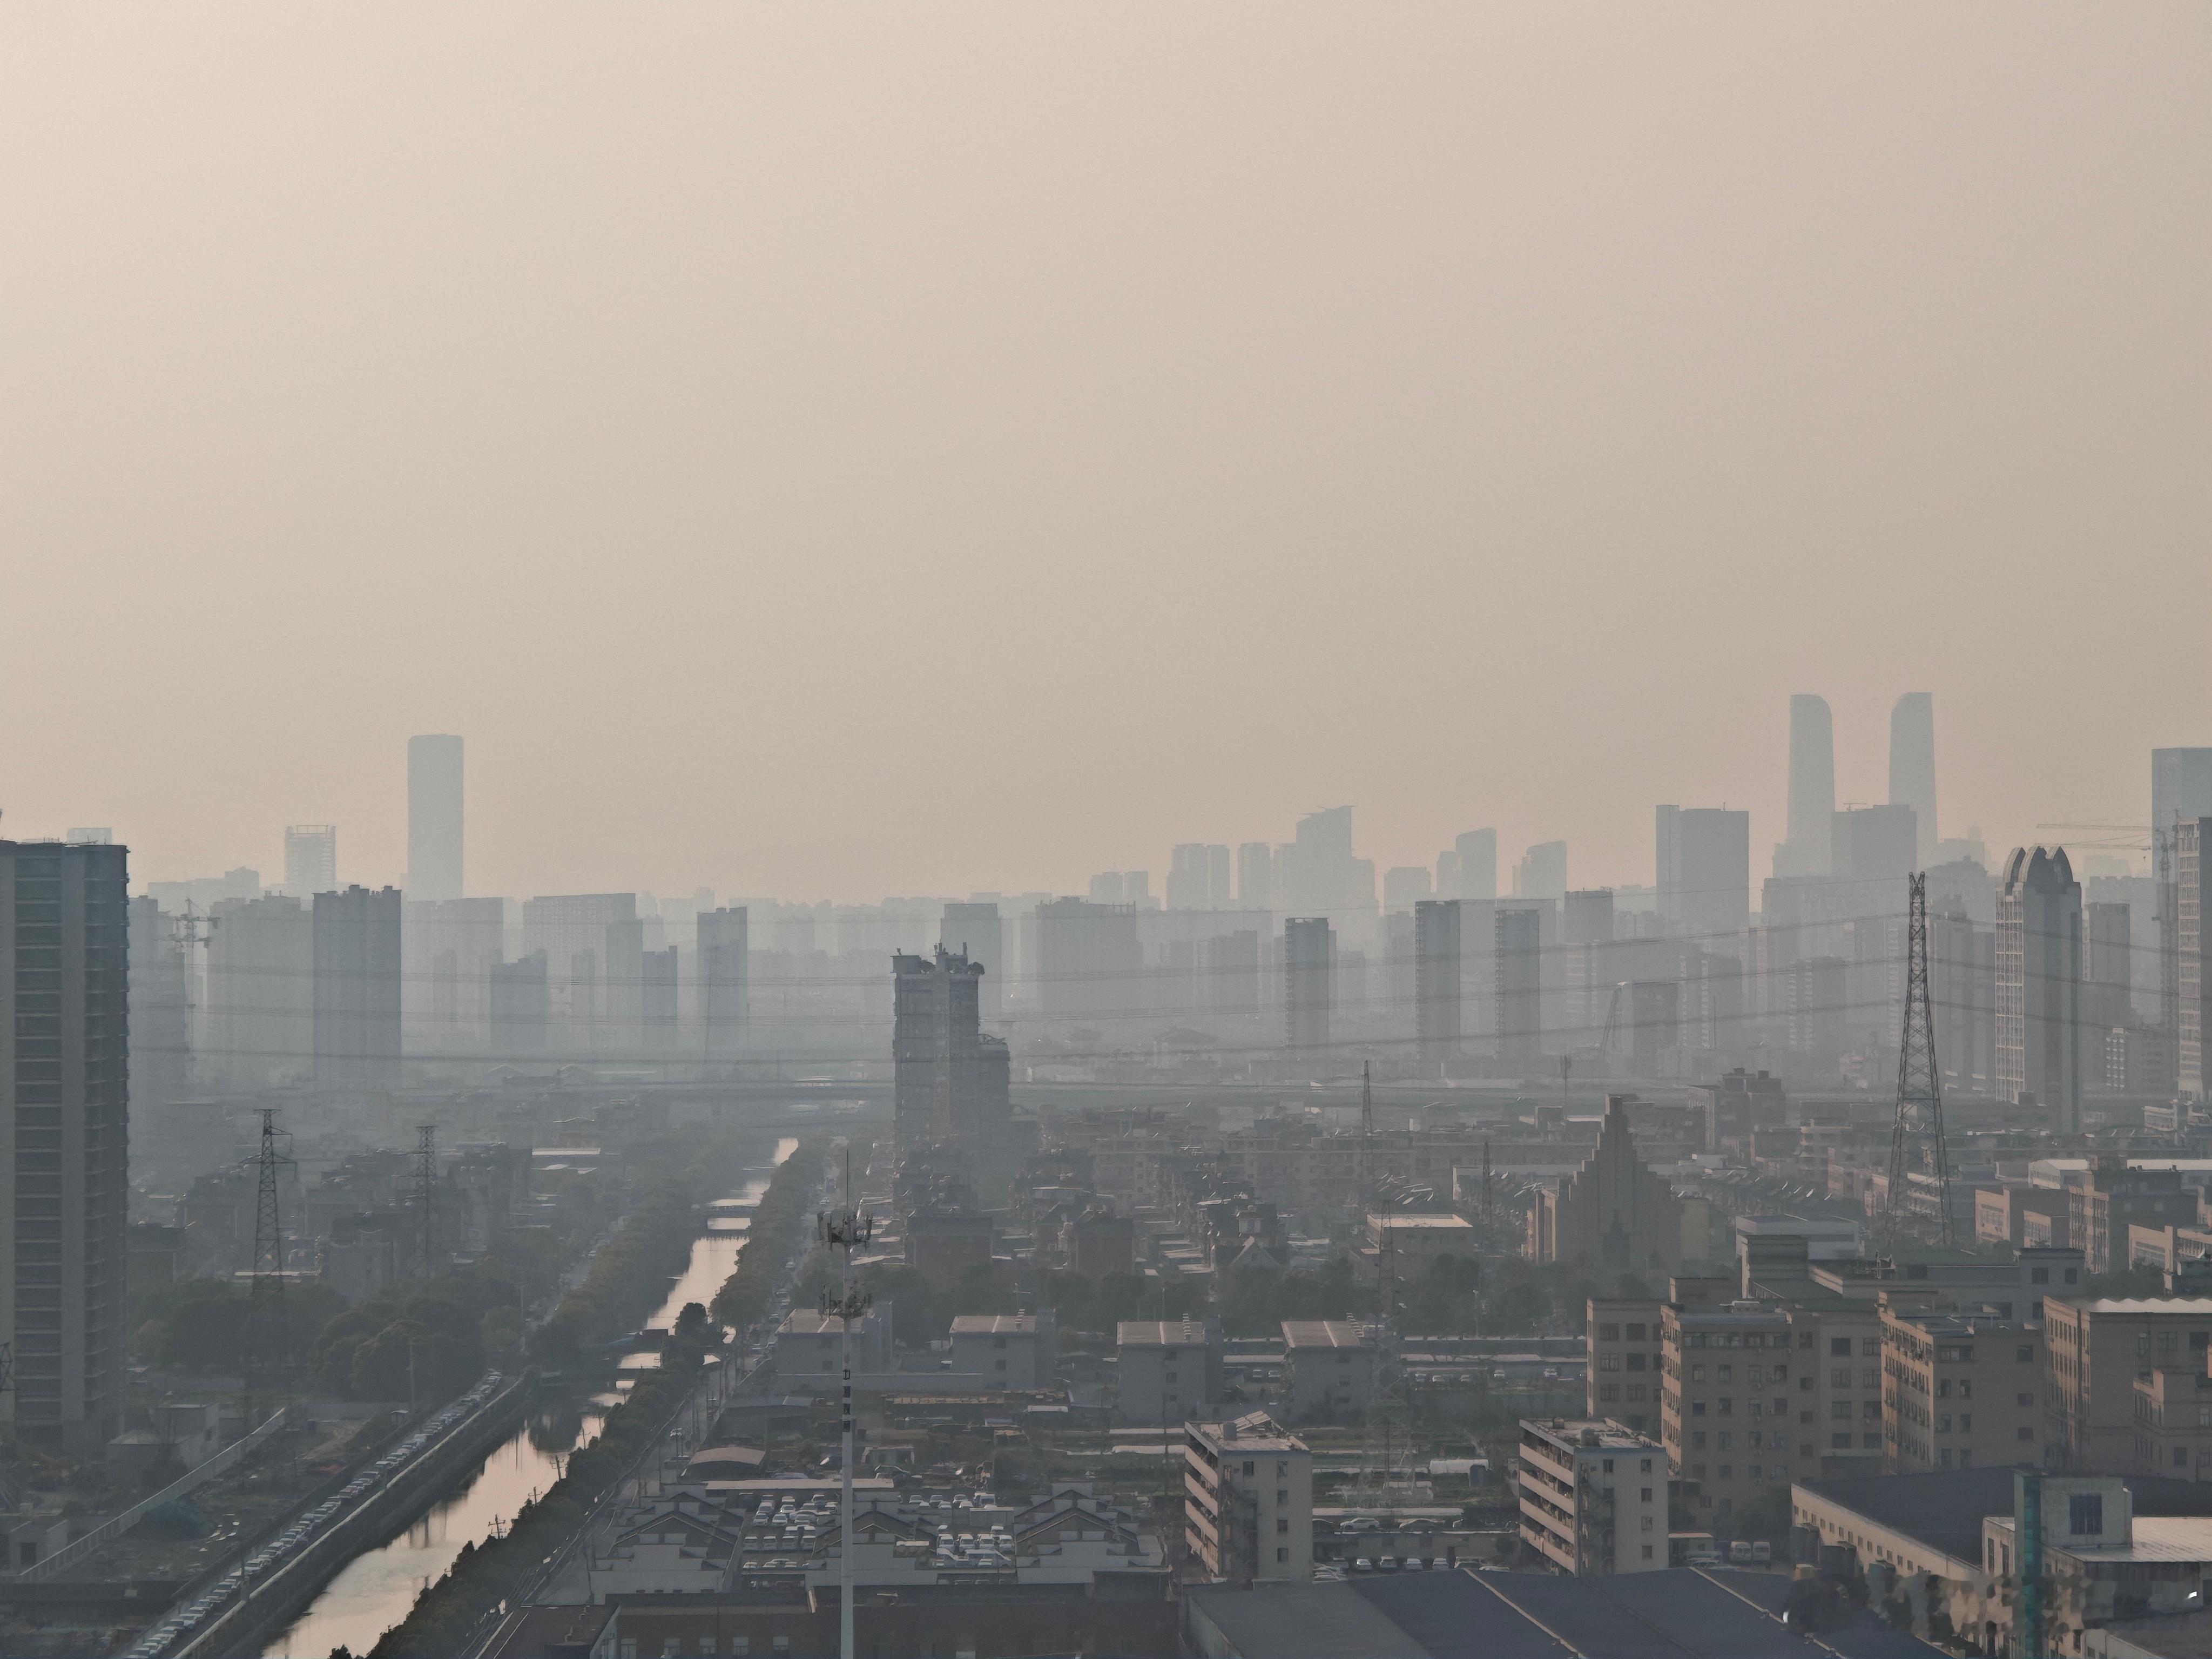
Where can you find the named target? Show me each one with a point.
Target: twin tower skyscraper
(1807, 851)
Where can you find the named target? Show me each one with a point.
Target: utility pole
(844, 1233)
(1918, 1135)
(268, 1345)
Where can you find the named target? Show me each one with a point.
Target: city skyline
(1417, 446)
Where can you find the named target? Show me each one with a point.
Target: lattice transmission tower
(1916, 1143)
(266, 1361)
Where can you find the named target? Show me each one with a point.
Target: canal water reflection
(375, 1589)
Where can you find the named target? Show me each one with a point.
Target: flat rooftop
(995, 1325)
(1608, 1436)
(1326, 1334)
(1160, 1333)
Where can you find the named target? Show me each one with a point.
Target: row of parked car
(181, 1622)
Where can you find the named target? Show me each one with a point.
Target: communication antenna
(189, 930)
(266, 1363)
(426, 1196)
(1918, 1136)
(844, 1231)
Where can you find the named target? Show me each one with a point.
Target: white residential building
(1592, 1496)
(1248, 1501)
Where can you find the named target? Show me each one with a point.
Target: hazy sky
(837, 451)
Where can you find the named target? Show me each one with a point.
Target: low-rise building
(2098, 1347)
(809, 1346)
(1959, 1390)
(1167, 1371)
(1330, 1367)
(1248, 1501)
(1592, 1496)
(1419, 1241)
(1007, 1350)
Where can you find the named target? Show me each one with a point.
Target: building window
(1839, 1347)
(1282, 1494)
(1608, 1333)
(626, 1648)
(1247, 1467)
(1636, 1333)
(1282, 1527)
(2085, 1514)
(1282, 1471)
(706, 1647)
(778, 1646)
(1647, 1551)
(1282, 1554)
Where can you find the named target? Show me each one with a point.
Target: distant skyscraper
(1405, 886)
(1876, 845)
(975, 930)
(1812, 788)
(725, 977)
(433, 818)
(1197, 878)
(521, 1007)
(1309, 980)
(161, 1008)
(1478, 864)
(1913, 767)
(1436, 980)
(1703, 859)
(356, 935)
(1319, 877)
(2039, 984)
(1542, 871)
(2180, 786)
(310, 860)
(65, 1118)
(657, 993)
(594, 945)
(448, 950)
(1256, 876)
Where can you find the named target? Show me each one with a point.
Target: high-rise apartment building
(1517, 974)
(521, 1007)
(975, 929)
(2192, 930)
(65, 1118)
(311, 859)
(1962, 992)
(1912, 769)
(1874, 846)
(1309, 980)
(1436, 980)
(2107, 965)
(950, 1078)
(1256, 876)
(1703, 857)
(657, 1000)
(434, 818)
(1614, 1215)
(2039, 986)
(725, 977)
(1229, 972)
(1405, 886)
(356, 938)
(448, 950)
(259, 1028)
(1089, 960)
(595, 945)
(2180, 786)
(1804, 852)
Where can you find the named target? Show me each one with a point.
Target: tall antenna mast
(268, 1345)
(1919, 1126)
(843, 1232)
(426, 1196)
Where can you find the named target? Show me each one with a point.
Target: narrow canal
(375, 1590)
